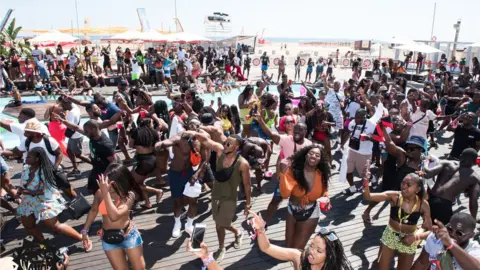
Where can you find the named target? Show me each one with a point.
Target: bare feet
(366, 220)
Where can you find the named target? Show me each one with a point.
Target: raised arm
(275, 137)
(393, 149)
(437, 169)
(375, 197)
(76, 101)
(72, 126)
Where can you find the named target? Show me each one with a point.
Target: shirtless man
(255, 150)
(453, 179)
(187, 153)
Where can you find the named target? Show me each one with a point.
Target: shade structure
(474, 45)
(418, 47)
(53, 38)
(153, 36)
(398, 41)
(184, 37)
(128, 35)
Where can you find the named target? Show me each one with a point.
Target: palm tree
(8, 40)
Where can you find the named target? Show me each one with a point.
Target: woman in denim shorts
(114, 200)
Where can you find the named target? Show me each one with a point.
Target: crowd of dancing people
(384, 129)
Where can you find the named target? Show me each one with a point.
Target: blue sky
(354, 19)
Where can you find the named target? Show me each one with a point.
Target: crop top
(102, 208)
(290, 187)
(407, 219)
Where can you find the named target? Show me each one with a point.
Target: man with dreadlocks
(143, 139)
(187, 153)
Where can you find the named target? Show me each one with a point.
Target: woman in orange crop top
(114, 200)
(305, 181)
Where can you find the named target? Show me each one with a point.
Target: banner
(142, 16)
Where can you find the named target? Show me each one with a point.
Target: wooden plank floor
(39, 109)
(161, 252)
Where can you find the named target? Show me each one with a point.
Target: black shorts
(440, 208)
(146, 164)
(107, 64)
(15, 64)
(431, 127)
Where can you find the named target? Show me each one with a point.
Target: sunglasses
(289, 122)
(227, 144)
(411, 149)
(451, 231)
(329, 234)
(288, 109)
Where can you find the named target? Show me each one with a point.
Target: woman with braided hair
(143, 139)
(41, 200)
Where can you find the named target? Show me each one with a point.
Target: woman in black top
(407, 206)
(408, 57)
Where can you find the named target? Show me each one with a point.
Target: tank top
(227, 190)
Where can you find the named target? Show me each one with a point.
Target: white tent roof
(398, 40)
(128, 35)
(474, 45)
(153, 36)
(418, 47)
(52, 38)
(184, 37)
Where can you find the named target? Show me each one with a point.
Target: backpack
(46, 140)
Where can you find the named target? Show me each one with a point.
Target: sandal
(159, 197)
(90, 246)
(74, 173)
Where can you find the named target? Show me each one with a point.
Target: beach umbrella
(53, 38)
(418, 47)
(184, 37)
(474, 45)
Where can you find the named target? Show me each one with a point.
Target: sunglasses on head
(329, 234)
(451, 231)
(288, 122)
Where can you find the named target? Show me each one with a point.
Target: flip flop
(146, 207)
(90, 246)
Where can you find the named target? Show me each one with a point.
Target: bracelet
(84, 231)
(260, 231)
(366, 183)
(449, 247)
(208, 260)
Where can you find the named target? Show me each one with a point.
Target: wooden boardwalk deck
(360, 244)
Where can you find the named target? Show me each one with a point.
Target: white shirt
(433, 246)
(37, 54)
(181, 55)
(352, 108)
(189, 66)
(421, 126)
(135, 68)
(333, 102)
(41, 144)
(365, 146)
(236, 61)
(74, 116)
(50, 58)
(19, 130)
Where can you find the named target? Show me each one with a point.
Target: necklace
(405, 218)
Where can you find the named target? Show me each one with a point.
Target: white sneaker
(189, 228)
(176, 230)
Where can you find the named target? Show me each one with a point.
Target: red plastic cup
(478, 161)
(143, 114)
(324, 202)
(119, 125)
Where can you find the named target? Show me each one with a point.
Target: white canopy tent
(184, 37)
(153, 36)
(474, 45)
(53, 38)
(128, 35)
(418, 47)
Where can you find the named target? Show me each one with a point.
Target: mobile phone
(197, 236)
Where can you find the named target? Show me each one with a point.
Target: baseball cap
(207, 119)
(33, 126)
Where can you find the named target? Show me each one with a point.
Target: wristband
(366, 183)
(208, 260)
(449, 247)
(84, 231)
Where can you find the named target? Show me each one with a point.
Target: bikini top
(290, 187)
(102, 208)
(400, 216)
